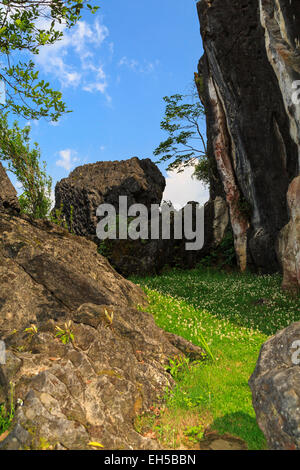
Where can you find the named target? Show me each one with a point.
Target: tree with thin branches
(185, 145)
(25, 27)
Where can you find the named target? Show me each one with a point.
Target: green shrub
(7, 415)
(24, 162)
(223, 255)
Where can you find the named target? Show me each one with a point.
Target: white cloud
(130, 63)
(71, 60)
(68, 158)
(136, 66)
(182, 188)
(97, 86)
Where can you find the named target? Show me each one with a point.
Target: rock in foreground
(47, 273)
(112, 367)
(275, 386)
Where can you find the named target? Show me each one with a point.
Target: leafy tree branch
(185, 144)
(24, 162)
(25, 27)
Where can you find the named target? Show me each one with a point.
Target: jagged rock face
(92, 388)
(248, 127)
(281, 21)
(46, 272)
(275, 385)
(90, 185)
(8, 194)
(289, 241)
(220, 220)
(151, 256)
(142, 182)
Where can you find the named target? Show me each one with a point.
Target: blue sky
(114, 69)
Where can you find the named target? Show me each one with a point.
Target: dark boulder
(90, 185)
(250, 133)
(143, 257)
(275, 385)
(141, 181)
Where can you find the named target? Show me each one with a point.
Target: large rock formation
(8, 194)
(289, 240)
(253, 135)
(151, 256)
(47, 273)
(142, 182)
(90, 185)
(275, 386)
(281, 22)
(106, 367)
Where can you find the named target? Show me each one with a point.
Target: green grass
(235, 313)
(7, 416)
(5, 419)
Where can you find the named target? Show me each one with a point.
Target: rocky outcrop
(281, 22)
(250, 133)
(289, 241)
(142, 182)
(151, 256)
(81, 361)
(90, 185)
(275, 386)
(46, 272)
(8, 194)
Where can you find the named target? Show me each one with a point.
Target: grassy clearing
(7, 415)
(235, 313)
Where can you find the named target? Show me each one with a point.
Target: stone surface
(90, 388)
(220, 220)
(90, 185)
(8, 194)
(275, 385)
(251, 136)
(281, 22)
(289, 240)
(142, 182)
(213, 441)
(142, 257)
(46, 273)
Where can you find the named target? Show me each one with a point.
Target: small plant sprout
(194, 433)
(110, 317)
(177, 365)
(32, 330)
(95, 444)
(66, 334)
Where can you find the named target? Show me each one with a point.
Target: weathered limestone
(91, 388)
(289, 241)
(275, 385)
(251, 136)
(90, 185)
